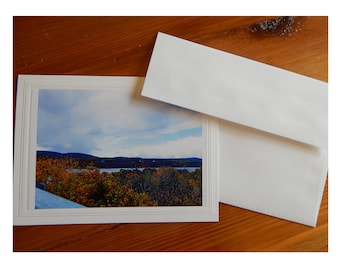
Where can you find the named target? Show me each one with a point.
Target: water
(111, 170)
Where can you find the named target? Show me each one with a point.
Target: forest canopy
(164, 186)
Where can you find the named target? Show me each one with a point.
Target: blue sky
(109, 123)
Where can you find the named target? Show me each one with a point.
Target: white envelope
(273, 124)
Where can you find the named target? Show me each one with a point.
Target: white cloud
(182, 148)
(106, 146)
(113, 112)
(41, 148)
(102, 122)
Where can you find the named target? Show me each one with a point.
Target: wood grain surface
(123, 46)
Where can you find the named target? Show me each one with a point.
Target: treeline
(122, 162)
(164, 186)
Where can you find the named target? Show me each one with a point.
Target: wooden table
(123, 46)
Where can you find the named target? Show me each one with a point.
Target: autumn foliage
(165, 186)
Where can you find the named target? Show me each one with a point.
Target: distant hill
(123, 162)
(51, 154)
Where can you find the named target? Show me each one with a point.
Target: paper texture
(238, 89)
(270, 174)
(273, 144)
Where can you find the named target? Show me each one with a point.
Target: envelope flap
(237, 89)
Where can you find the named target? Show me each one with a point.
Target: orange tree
(166, 185)
(87, 186)
(178, 187)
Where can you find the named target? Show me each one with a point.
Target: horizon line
(189, 157)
